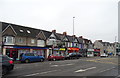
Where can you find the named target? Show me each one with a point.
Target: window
(28, 31)
(32, 41)
(21, 30)
(20, 40)
(52, 37)
(8, 39)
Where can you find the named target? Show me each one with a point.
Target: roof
(59, 36)
(47, 33)
(80, 40)
(70, 38)
(26, 31)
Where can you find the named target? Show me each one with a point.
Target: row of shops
(15, 51)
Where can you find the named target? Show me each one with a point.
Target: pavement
(95, 66)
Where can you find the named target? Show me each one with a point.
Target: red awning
(73, 49)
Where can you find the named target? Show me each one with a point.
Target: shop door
(14, 54)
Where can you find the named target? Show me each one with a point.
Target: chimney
(54, 31)
(64, 33)
(74, 36)
(100, 40)
(81, 37)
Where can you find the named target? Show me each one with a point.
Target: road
(94, 66)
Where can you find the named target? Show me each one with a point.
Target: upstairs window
(8, 39)
(20, 40)
(21, 30)
(52, 37)
(32, 41)
(28, 31)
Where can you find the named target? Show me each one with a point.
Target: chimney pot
(81, 37)
(54, 31)
(64, 33)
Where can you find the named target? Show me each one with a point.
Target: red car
(57, 57)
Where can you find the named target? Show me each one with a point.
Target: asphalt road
(95, 66)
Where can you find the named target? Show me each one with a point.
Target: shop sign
(97, 50)
(73, 48)
(90, 49)
(8, 46)
(56, 48)
(62, 49)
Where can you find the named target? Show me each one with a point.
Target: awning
(25, 47)
(73, 49)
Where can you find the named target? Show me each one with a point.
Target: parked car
(103, 55)
(6, 63)
(55, 57)
(73, 56)
(30, 57)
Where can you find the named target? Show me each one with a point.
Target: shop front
(59, 51)
(96, 52)
(72, 49)
(15, 51)
(90, 52)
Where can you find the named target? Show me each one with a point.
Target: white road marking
(61, 65)
(107, 69)
(32, 74)
(17, 67)
(54, 65)
(82, 70)
(48, 72)
(40, 73)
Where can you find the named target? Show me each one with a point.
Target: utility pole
(73, 30)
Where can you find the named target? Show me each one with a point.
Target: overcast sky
(94, 19)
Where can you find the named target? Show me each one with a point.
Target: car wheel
(41, 60)
(54, 59)
(27, 61)
(4, 71)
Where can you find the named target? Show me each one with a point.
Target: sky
(94, 19)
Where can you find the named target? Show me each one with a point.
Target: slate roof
(59, 36)
(47, 33)
(70, 38)
(4, 25)
(80, 40)
(17, 28)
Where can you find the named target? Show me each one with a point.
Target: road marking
(17, 67)
(82, 70)
(53, 65)
(40, 73)
(47, 72)
(32, 74)
(61, 65)
(107, 69)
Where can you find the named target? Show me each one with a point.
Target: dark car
(73, 56)
(7, 64)
(55, 57)
(30, 57)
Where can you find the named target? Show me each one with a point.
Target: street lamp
(73, 31)
(73, 25)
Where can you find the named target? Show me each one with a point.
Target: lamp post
(73, 30)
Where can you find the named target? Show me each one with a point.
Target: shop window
(8, 52)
